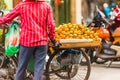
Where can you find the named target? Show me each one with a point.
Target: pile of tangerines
(75, 31)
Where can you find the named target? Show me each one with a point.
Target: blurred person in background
(107, 10)
(113, 5)
(37, 27)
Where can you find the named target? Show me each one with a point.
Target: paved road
(102, 72)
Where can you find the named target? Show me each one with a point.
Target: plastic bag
(12, 40)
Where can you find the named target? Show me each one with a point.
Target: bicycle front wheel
(56, 71)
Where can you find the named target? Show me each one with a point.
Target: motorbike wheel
(8, 69)
(93, 57)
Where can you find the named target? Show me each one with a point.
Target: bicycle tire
(88, 65)
(9, 68)
(85, 64)
(47, 66)
(1, 60)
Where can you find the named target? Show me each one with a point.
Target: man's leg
(40, 56)
(24, 56)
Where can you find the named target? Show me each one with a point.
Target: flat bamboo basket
(79, 43)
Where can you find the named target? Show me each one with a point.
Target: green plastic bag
(12, 40)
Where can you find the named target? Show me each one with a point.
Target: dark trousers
(25, 54)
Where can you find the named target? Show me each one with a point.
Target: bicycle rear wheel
(55, 71)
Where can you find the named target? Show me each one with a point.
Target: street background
(76, 11)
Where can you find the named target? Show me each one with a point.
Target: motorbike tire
(94, 58)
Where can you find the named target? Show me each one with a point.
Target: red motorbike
(110, 38)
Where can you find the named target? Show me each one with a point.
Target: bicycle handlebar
(2, 12)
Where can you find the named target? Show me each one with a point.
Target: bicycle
(62, 63)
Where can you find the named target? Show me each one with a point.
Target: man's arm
(51, 24)
(51, 29)
(10, 16)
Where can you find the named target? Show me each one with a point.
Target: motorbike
(110, 38)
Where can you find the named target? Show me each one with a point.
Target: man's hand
(55, 43)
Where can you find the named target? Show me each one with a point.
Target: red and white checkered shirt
(36, 22)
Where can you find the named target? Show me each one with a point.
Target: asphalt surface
(103, 72)
(100, 71)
